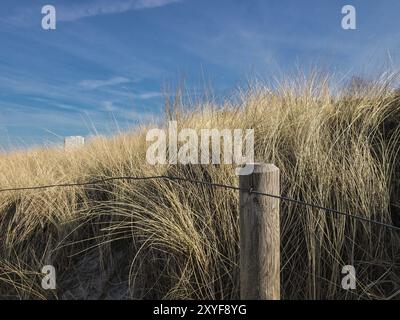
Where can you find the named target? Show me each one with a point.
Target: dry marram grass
(170, 239)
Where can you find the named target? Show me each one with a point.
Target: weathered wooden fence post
(260, 234)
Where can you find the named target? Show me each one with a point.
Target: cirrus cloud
(95, 84)
(103, 7)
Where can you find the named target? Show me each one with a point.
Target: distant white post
(73, 142)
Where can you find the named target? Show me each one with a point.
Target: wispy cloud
(103, 7)
(109, 106)
(128, 113)
(95, 84)
(84, 9)
(147, 95)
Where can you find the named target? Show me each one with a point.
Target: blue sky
(109, 62)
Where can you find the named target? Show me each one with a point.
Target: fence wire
(210, 184)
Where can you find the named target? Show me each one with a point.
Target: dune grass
(176, 240)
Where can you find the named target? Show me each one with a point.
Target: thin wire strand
(211, 184)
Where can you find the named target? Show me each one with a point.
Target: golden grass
(164, 239)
